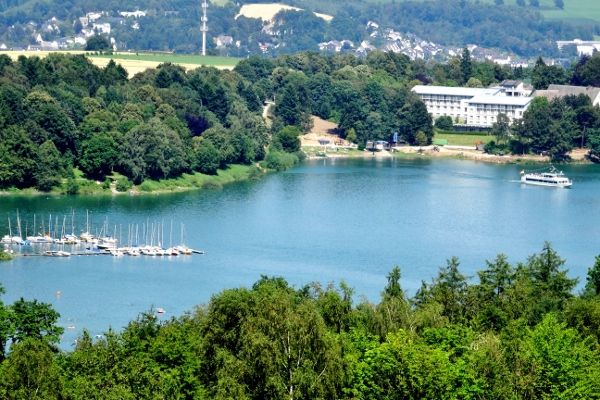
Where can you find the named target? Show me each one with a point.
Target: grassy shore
(461, 139)
(117, 184)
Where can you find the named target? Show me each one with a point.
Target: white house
(133, 14)
(475, 106)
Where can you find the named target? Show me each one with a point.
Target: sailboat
(10, 239)
(182, 248)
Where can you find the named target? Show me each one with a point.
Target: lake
(326, 220)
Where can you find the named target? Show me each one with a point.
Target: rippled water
(327, 220)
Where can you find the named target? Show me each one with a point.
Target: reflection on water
(327, 220)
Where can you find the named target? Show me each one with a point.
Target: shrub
(444, 123)
(72, 186)
(279, 161)
(123, 184)
(496, 149)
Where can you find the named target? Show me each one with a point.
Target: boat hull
(565, 185)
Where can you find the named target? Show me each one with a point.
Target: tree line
(513, 331)
(61, 116)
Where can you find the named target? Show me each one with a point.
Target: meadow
(139, 62)
(588, 10)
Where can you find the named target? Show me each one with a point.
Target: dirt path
(322, 130)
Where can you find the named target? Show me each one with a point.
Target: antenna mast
(204, 28)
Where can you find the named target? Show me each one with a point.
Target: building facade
(476, 107)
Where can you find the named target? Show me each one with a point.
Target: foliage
(4, 256)
(444, 123)
(280, 161)
(97, 43)
(518, 332)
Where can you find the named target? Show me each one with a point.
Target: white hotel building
(476, 107)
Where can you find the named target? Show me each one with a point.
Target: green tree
(562, 364)
(444, 123)
(49, 168)
(413, 117)
(97, 43)
(449, 289)
(18, 157)
(501, 128)
(30, 372)
(551, 287)
(99, 155)
(288, 139)
(466, 65)
(208, 158)
(593, 278)
(543, 75)
(34, 320)
(153, 150)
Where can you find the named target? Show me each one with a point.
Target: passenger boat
(552, 178)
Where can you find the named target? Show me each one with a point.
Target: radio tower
(204, 28)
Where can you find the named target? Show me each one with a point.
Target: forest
(174, 25)
(513, 331)
(65, 123)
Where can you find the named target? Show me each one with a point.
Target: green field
(174, 58)
(457, 139)
(573, 10)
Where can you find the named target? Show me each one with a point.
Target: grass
(185, 182)
(193, 59)
(574, 10)
(458, 139)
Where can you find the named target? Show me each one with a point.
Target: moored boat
(57, 253)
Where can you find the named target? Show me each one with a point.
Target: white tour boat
(553, 178)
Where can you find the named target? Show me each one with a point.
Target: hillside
(238, 29)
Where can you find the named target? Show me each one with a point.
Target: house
(514, 88)
(556, 91)
(222, 41)
(133, 14)
(102, 28)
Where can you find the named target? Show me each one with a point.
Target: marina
(55, 242)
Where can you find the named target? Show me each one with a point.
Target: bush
(444, 123)
(496, 149)
(4, 256)
(287, 139)
(279, 161)
(123, 184)
(148, 186)
(72, 186)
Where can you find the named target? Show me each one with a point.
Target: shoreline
(456, 152)
(185, 183)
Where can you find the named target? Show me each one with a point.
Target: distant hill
(173, 25)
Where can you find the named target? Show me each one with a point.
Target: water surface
(326, 221)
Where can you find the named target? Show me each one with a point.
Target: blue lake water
(326, 220)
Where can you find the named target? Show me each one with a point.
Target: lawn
(573, 10)
(174, 58)
(458, 139)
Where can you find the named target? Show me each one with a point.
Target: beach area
(322, 142)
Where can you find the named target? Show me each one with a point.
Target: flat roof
(454, 91)
(501, 100)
